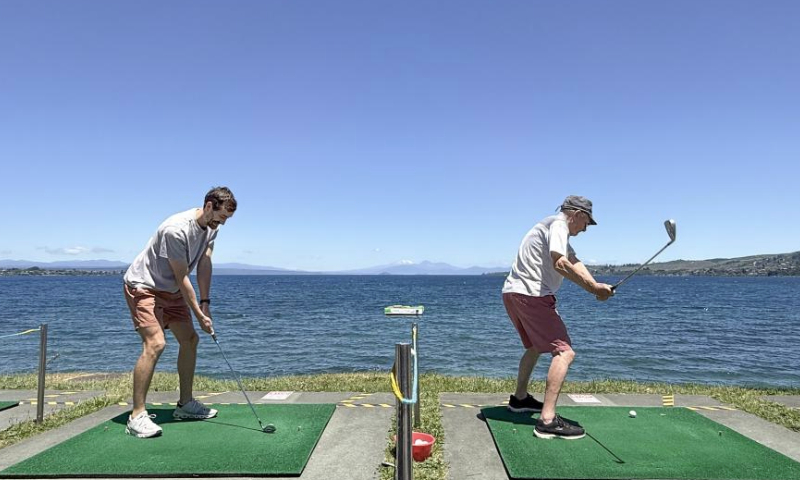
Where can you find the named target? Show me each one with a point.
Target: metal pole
(414, 335)
(404, 470)
(42, 367)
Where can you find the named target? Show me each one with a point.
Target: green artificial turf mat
(230, 444)
(4, 405)
(660, 443)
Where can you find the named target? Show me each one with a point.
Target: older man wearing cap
(544, 259)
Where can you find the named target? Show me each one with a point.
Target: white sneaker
(142, 426)
(194, 410)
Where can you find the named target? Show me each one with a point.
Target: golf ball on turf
(632, 413)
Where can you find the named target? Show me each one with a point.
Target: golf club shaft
(614, 287)
(236, 376)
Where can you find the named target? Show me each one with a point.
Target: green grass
(118, 388)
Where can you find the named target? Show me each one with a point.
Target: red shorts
(150, 307)
(538, 323)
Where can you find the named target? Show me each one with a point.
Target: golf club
(270, 428)
(670, 226)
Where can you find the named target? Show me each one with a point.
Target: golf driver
(270, 428)
(670, 226)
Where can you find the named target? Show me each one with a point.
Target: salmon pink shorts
(150, 307)
(538, 323)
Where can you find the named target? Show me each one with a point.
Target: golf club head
(671, 229)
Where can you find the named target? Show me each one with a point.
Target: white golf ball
(632, 413)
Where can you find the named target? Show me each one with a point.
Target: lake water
(713, 330)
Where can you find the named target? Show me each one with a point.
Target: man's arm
(181, 272)
(204, 269)
(574, 270)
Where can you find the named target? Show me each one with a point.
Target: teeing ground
(229, 445)
(673, 443)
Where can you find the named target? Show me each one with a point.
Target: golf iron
(270, 428)
(670, 226)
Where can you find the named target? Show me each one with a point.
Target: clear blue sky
(359, 133)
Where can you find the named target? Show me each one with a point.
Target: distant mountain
(754, 265)
(400, 268)
(422, 268)
(246, 269)
(247, 266)
(73, 264)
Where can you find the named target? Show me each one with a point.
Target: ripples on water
(742, 331)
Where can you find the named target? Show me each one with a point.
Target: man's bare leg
(526, 366)
(153, 344)
(555, 379)
(187, 357)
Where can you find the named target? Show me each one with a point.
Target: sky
(357, 133)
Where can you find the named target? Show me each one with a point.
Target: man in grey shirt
(160, 294)
(544, 259)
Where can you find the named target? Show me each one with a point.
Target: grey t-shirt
(178, 238)
(532, 272)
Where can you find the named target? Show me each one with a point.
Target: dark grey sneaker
(558, 428)
(529, 404)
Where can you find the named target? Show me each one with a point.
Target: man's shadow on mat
(503, 414)
(164, 416)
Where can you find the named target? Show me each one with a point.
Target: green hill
(781, 264)
(755, 265)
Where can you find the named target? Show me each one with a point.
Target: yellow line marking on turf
(360, 396)
(366, 405)
(713, 409)
(50, 395)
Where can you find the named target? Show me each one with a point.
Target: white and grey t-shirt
(179, 237)
(532, 272)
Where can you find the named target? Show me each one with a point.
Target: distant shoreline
(58, 272)
(783, 265)
(603, 271)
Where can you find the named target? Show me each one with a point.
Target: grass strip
(118, 388)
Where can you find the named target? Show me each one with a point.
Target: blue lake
(713, 330)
